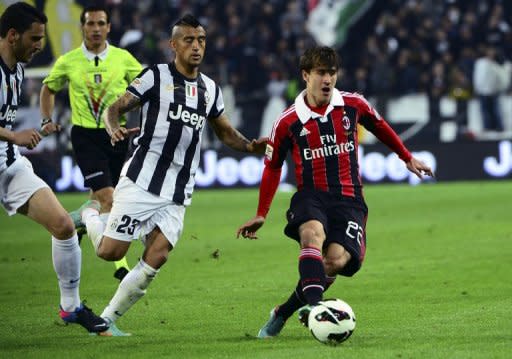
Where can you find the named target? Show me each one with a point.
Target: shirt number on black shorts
(354, 230)
(127, 225)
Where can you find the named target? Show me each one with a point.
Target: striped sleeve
(218, 104)
(374, 123)
(142, 84)
(279, 143)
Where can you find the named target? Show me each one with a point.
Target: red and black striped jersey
(324, 147)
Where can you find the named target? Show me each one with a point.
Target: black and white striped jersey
(10, 96)
(173, 115)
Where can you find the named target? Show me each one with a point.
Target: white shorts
(136, 212)
(18, 183)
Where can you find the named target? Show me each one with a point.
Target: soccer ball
(332, 321)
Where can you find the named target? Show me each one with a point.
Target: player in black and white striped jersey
(174, 115)
(157, 182)
(22, 29)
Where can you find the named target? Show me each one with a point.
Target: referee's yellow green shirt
(95, 81)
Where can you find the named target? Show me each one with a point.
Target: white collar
(91, 55)
(305, 113)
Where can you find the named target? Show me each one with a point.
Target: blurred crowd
(249, 42)
(432, 47)
(397, 47)
(400, 46)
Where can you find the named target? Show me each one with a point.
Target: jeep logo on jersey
(190, 119)
(8, 113)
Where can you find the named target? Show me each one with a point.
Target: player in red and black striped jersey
(327, 214)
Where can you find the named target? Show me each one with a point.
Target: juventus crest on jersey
(9, 98)
(174, 112)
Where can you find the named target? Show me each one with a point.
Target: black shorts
(99, 161)
(344, 221)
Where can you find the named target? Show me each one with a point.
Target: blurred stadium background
(413, 59)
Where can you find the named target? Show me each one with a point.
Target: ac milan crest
(346, 123)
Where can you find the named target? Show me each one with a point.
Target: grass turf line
(435, 282)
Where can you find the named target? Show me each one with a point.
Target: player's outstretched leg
(131, 289)
(273, 326)
(122, 267)
(76, 215)
(280, 314)
(84, 316)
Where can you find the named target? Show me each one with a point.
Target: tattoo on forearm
(241, 141)
(229, 135)
(127, 103)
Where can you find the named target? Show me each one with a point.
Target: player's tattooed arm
(125, 103)
(231, 137)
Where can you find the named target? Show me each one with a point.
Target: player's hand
(258, 146)
(27, 138)
(122, 133)
(419, 168)
(248, 230)
(49, 128)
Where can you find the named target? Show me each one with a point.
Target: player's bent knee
(334, 265)
(311, 236)
(61, 226)
(110, 254)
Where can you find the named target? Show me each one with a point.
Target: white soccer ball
(332, 321)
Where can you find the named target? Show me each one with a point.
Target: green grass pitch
(435, 283)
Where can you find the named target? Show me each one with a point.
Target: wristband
(45, 121)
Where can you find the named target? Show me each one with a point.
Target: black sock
(297, 300)
(293, 303)
(312, 275)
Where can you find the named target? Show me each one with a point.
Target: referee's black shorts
(343, 219)
(99, 161)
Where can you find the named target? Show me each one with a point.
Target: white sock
(130, 290)
(95, 226)
(67, 260)
(104, 217)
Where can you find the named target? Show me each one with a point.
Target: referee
(97, 73)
